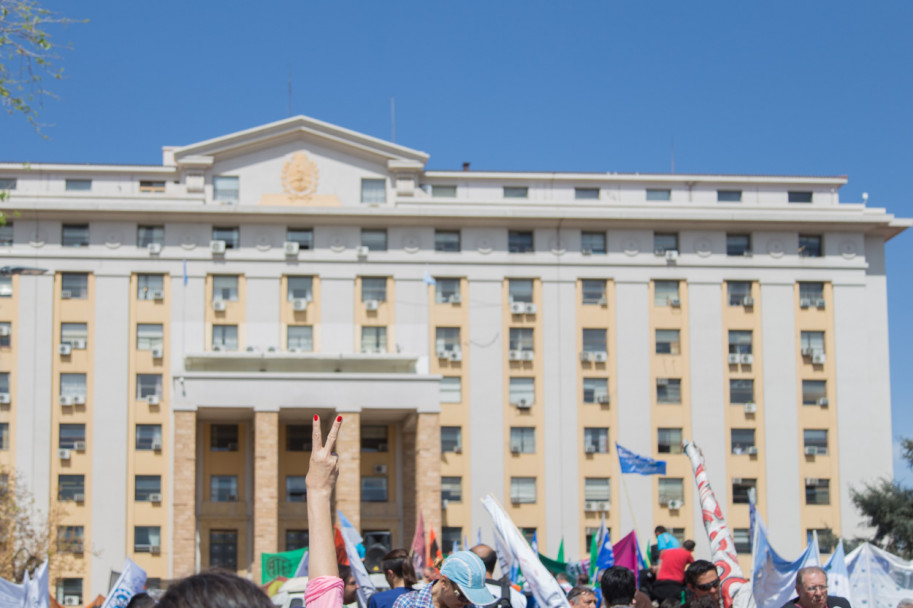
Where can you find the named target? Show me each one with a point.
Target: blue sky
(814, 88)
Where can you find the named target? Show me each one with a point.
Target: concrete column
(410, 504)
(184, 492)
(348, 486)
(428, 470)
(266, 486)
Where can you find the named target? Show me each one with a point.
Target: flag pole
(624, 485)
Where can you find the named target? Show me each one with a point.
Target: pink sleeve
(323, 592)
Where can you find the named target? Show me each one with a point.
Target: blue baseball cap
(468, 572)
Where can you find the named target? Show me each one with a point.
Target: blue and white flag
(36, 593)
(606, 557)
(303, 565)
(642, 465)
(131, 581)
(535, 542)
(352, 539)
(773, 579)
(838, 577)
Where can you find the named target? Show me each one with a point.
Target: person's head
(561, 577)
(141, 600)
(214, 589)
(350, 587)
(659, 530)
(618, 586)
(583, 580)
(811, 586)
(688, 545)
(905, 603)
(398, 569)
(463, 581)
(582, 597)
(702, 579)
(670, 602)
(705, 601)
(488, 557)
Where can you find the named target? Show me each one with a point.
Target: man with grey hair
(905, 603)
(811, 589)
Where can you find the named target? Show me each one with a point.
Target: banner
(352, 538)
(838, 578)
(131, 581)
(625, 552)
(635, 463)
(878, 579)
(274, 565)
(36, 591)
(773, 579)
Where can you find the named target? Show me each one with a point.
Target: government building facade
(168, 332)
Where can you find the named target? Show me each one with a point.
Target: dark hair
(705, 601)
(670, 602)
(398, 561)
(214, 589)
(141, 600)
(344, 572)
(583, 581)
(578, 591)
(618, 586)
(696, 569)
(659, 530)
(688, 545)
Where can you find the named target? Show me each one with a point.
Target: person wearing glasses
(703, 580)
(461, 583)
(811, 591)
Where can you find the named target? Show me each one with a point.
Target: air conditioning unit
(595, 505)
(811, 481)
(217, 247)
(362, 251)
(752, 450)
(80, 497)
(63, 454)
(218, 305)
(457, 449)
(158, 294)
(155, 549)
(751, 408)
(524, 404)
(819, 359)
(734, 358)
(455, 299)
(590, 449)
(291, 248)
(748, 301)
(747, 253)
(737, 480)
(152, 399)
(65, 294)
(671, 255)
(675, 302)
(156, 446)
(5, 330)
(603, 399)
(217, 348)
(675, 505)
(822, 401)
(586, 356)
(251, 349)
(805, 302)
(66, 400)
(517, 308)
(155, 498)
(527, 355)
(530, 309)
(71, 600)
(78, 344)
(811, 450)
(79, 446)
(158, 352)
(456, 355)
(603, 302)
(299, 304)
(443, 354)
(807, 352)
(79, 400)
(4, 398)
(586, 251)
(232, 447)
(747, 359)
(600, 356)
(64, 349)
(820, 303)
(662, 382)
(515, 355)
(514, 449)
(155, 248)
(380, 469)
(371, 304)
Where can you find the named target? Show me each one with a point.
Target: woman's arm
(321, 479)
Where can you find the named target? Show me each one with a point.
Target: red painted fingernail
(316, 417)
(338, 418)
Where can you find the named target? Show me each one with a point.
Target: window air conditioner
(752, 450)
(218, 305)
(291, 248)
(747, 359)
(820, 303)
(737, 480)
(152, 399)
(155, 248)
(747, 301)
(371, 304)
(4, 398)
(5, 330)
(662, 382)
(78, 344)
(158, 352)
(514, 449)
(751, 408)
(71, 600)
(675, 505)
(805, 302)
(603, 399)
(808, 352)
(671, 255)
(586, 356)
(586, 252)
(64, 349)
(530, 309)
(79, 446)
(590, 449)
(457, 449)
(79, 400)
(517, 308)
(65, 294)
(157, 446)
(734, 358)
(527, 355)
(158, 294)
(811, 450)
(515, 355)
(79, 497)
(217, 247)
(675, 302)
(155, 497)
(456, 355)
(600, 356)
(155, 549)
(590, 505)
(811, 481)
(524, 404)
(819, 359)
(603, 301)
(66, 400)
(380, 469)
(455, 299)
(299, 304)
(362, 251)
(443, 353)
(63, 454)
(822, 401)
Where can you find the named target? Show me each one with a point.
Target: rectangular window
(522, 391)
(150, 235)
(729, 196)
(4, 436)
(6, 287)
(303, 236)
(6, 234)
(447, 240)
(669, 441)
(668, 390)
(150, 286)
(741, 486)
(298, 437)
(230, 234)
(374, 239)
(597, 488)
(6, 334)
(75, 235)
(810, 294)
(300, 338)
(223, 549)
(446, 290)
(447, 339)
(148, 436)
(147, 539)
(373, 191)
(742, 540)
(442, 191)
(670, 489)
(521, 338)
(451, 491)
(813, 392)
(737, 291)
(586, 194)
(812, 342)
(665, 241)
(151, 186)
(375, 438)
(73, 385)
(149, 336)
(520, 290)
(296, 539)
(451, 439)
(70, 435)
(225, 287)
(374, 489)
(70, 539)
(71, 487)
(223, 488)
(596, 440)
(523, 440)
(145, 486)
(451, 535)
(654, 194)
(810, 246)
(595, 390)
(738, 244)
(224, 337)
(4, 382)
(799, 196)
(593, 242)
(817, 491)
(78, 185)
(451, 389)
(665, 293)
(223, 438)
(300, 288)
(69, 588)
(74, 334)
(594, 292)
(520, 241)
(739, 342)
(523, 490)
(7, 183)
(815, 440)
(742, 440)
(226, 188)
(374, 339)
(595, 341)
(668, 342)
(374, 288)
(516, 191)
(295, 488)
(74, 286)
(741, 390)
(148, 385)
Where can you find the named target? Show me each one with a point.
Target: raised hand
(324, 466)
(321, 479)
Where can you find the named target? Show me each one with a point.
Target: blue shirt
(416, 599)
(385, 599)
(666, 541)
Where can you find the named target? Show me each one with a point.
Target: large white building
(479, 331)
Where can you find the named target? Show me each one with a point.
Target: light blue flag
(352, 539)
(131, 581)
(428, 279)
(606, 557)
(11, 594)
(642, 465)
(36, 588)
(465, 543)
(773, 578)
(838, 577)
(303, 565)
(455, 547)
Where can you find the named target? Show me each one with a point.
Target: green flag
(561, 551)
(274, 565)
(594, 553)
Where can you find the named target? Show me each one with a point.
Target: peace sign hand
(324, 466)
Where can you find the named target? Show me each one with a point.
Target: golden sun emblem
(299, 176)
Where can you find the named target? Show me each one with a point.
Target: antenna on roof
(673, 155)
(393, 119)
(290, 89)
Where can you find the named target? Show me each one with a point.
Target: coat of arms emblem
(299, 176)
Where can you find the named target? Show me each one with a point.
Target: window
(741, 390)
(658, 194)
(520, 241)
(451, 439)
(224, 337)
(149, 186)
(147, 538)
(742, 540)
(523, 490)
(225, 188)
(300, 288)
(813, 391)
(739, 342)
(5, 382)
(729, 196)
(810, 246)
(149, 235)
(450, 535)
(442, 191)
(225, 287)
(668, 390)
(594, 292)
(738, 244)
(6, 234)
(374, 438)
(451, 490)
(810, 293)
(798, 196)
(374, 489)
(149, 336)
(145, 486)
(374, 240)
(737, 291)
(78, 185)
(665, 293)
(741, 486)
(71, 487)
(586, 194)
(451, 389)
(520, 290)
(296, 539)
(4, 436)
(591, 532)
(812, 341)
(74, 334)
(298, 437)
(523, 440)
(148, 385)
(596, 440)
(295, 488)
(7, 183)
(374, 339)
(148, 436)
(74, 286)
(70, 434)
(70, 539)
(817, 491)
(69, 587)
(230, 234)
(521, 338)
(669, 441)
(595, 390)
(816, 439)
(6, 287)
(75, 235)
(223, 438)
(516, 191)
(447, 339)
(522, 391)
(592, 242)
(223, 488)
(665, 241)
(447, 240)
(742, 439)
(373, 191)
(670, 489)
(73, 385)
(668, 342)
(529, 534)
(374, 288)
(303, 236)
(148, 284)
(300, 338)
(6, 333)
(594, 341)
(223, 549)
(445, 289)
(597, 488)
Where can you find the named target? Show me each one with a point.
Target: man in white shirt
(505, 595)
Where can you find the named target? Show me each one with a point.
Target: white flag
(36, 594)
(132, 581)
(351, 538)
